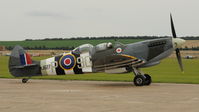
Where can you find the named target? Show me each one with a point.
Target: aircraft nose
(178, 42)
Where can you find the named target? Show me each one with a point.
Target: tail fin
(21, 64)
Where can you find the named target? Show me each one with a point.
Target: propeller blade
(178, 55)
(179, 59)
(172, 27)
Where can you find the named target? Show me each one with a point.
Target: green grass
(166, 72)
(62, 43)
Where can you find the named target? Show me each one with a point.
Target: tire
(139, 80)
(148, 79)
(24, 80)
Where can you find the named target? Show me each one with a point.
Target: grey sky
(22, 19)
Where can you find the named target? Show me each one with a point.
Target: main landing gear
(24, 80)
(141, 79)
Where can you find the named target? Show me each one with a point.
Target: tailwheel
(148, 79)
(139, 80)
(24, 80)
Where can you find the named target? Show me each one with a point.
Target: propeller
(172, 27)
(177, 42)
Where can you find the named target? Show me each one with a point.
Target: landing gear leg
(141, 79)
(25, 80)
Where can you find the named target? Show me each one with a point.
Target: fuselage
(108, 58)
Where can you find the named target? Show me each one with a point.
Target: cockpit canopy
(103, 46)
(92, 49)
(84, 48)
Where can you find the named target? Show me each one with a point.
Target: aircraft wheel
(24, 80)
(139, 80)
(147, 79)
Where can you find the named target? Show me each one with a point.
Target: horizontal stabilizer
(24, 66)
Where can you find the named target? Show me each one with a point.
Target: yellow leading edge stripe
(132, 57)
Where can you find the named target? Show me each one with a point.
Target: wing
(117, 61)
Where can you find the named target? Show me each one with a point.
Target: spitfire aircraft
(104, 57)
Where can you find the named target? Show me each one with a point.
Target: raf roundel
(67, 62)
(118, 50)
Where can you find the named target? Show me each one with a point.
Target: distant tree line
(44, 48)
(191, 48)
(114, 37)
(71, 48)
